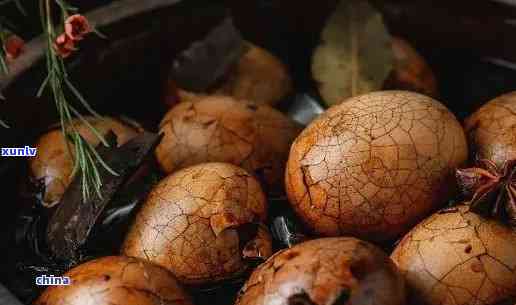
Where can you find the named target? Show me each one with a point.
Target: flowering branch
(61, 41)
(59, 47)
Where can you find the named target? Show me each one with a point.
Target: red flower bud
(76, 27)
(64, 46)
(13, 47)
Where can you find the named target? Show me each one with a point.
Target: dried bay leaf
(355, 54)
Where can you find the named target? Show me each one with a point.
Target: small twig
(86, 159)
(3, 65)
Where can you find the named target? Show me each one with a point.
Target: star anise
(492, 189)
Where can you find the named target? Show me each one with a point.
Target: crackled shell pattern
(189, 223)
(374, 165)
(326, 271)
(456, 257)
(491, 130)
(117, 280)
(222, 129)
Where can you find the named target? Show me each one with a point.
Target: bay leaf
(355, 54)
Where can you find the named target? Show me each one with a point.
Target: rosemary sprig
(85, 157)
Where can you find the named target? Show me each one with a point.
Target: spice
(492, 188)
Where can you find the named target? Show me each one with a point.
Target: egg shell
(192, 220)
(374, 165)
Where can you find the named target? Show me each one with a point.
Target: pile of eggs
(370, 170)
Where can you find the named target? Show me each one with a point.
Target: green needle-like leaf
(85, 157)
(3, 124)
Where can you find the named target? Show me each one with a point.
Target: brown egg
(411, 72)
(327, 271)
(456, 257)
(491, 130)
(52, 167)
(222, 129)
(374, 165)
(258, 76)
(203, 223)
(116, 280)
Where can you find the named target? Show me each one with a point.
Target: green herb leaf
(85, 157)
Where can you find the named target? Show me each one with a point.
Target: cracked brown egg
(491, 130)
(374, 165)
(116, 280)
(203, 223)
(326, 271)
(258, 76)
(222, 129)
(52, 167)
(456, 257)
(411, 71)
